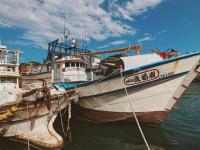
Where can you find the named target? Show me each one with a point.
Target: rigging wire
(81, 44)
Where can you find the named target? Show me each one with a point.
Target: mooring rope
(28, 127)
(101, 79)
(68, 123)
(57, 109)
(68, 119)
(61, 120)
(134, 114)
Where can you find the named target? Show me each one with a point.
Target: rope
(134, 114)
(28, 127)
(61, 120)
(68, 123)
(53, 112)
(101, 79)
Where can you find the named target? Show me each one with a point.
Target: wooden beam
(135, 47)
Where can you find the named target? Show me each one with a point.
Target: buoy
(4, 116)
(13, 109)
(8, 114)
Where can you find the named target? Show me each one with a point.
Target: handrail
(9, 64)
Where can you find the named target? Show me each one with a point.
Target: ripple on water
(182, 125)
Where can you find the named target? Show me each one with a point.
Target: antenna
(81, 45)
(64, 30)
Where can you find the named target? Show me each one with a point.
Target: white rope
(69, 117)
(138, 124)
(61, 120)
(68, 123)
(28, 127)
(101, 79)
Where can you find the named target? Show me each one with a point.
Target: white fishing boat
(145, 84)
(28, 115)
(112, 89)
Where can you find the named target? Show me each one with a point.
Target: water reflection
(124, 136)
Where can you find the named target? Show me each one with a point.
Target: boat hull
(33, 123)
(151, 99)
(97, 116)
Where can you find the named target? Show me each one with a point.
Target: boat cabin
(70, 69)
(9, 69)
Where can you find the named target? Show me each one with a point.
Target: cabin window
(8, 80)
(11, 80)
(72, 64)
(67, 64)
(77, 64)
(99, 73)
(3, 80)
(81, 65)
(15, 80)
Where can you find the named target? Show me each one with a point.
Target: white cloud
(119, 42)
(42, 20)
(147, 37)
(103, 46)
(132, 8)
(161, 32)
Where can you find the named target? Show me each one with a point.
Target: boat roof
(70, 59)
(131, 62)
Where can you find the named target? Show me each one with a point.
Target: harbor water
(180, 131)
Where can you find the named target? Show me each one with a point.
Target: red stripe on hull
(96, 116)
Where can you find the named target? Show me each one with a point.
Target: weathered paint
(33, 122)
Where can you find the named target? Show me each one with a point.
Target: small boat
(28, 115)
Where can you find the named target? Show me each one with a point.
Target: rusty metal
(38, 110)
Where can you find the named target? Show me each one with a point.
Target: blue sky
(104, 24)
